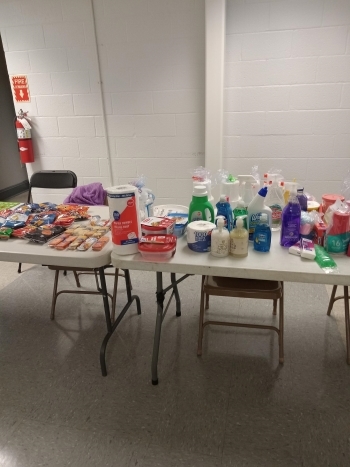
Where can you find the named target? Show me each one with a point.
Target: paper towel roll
(199, 236)
(123, 202)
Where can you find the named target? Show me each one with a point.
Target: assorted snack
(58, 226)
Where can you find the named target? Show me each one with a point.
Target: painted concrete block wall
(287, 90)
(151, 55)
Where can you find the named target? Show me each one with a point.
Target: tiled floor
(233, 407)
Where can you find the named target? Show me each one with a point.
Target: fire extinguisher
(24, 137)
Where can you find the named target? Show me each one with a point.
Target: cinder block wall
(287, 90)
(151, 54)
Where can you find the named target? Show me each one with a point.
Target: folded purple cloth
(92, 194)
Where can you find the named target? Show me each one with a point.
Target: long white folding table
(22, 251)
(278, 264)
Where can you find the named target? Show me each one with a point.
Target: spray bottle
(275, 201)
(247, 184)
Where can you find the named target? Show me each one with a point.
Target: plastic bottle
(302, 199)
(220, 239)
(247, 193)
(200, 208)
(240, 211)
(224, 209)
(255, 209)
(291, 219)
(275, 201)
(239, 240)
(262, 235)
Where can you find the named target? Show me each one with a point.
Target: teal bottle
(200, 208)
(262, 235)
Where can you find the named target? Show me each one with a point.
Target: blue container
(262, 235)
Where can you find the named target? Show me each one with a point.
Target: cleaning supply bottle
(275, 201)
(200, 208)
(240, 211)
(224, 209)
(220, 239)
(290, 229)
(262, 235)
(302, 199)
(239, 240)
(255, 209)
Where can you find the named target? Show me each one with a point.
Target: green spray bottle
(200, 208)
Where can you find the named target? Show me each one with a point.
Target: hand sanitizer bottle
(220, 239)
(262, 235)
(239, 240)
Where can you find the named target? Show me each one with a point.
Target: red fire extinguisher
(24, 137)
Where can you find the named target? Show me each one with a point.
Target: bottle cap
(263, 192)
(300, 190)
(263, 217)
(200, 190)
(223, 199)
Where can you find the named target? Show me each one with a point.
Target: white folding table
(23, 251)
(277, 265)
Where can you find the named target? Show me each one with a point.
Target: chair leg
(54, 295)
(281, 327)
(114, 296)
(347, 323)
(201, 319)
(274, 307)
(207, 301)
(76, 278)
(64, 273)
(331, 300)
(19, 270)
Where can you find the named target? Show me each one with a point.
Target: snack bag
(101, 243)
(87, 244)
(44, 233)
(65, 242)
(5, 233)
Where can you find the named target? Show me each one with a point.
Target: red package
(320, 229)
(64, 220)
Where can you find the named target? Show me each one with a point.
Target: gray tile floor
(234, 406)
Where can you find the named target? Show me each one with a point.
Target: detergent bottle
(200, 208)
(240, 211)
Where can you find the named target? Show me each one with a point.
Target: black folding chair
(54, 179)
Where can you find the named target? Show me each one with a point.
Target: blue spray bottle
(262, 235)
(225, 210)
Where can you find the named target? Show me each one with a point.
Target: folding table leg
(347, 323)
(160, 302)
(176, 293)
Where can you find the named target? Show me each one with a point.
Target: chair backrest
(52, 179)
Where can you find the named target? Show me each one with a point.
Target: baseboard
(14, 190)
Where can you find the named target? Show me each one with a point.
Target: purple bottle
(290, 227)
(302, 199)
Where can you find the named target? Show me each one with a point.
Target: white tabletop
(22, 251)
(278, 264)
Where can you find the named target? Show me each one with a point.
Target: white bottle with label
(220, 239)
(255, 209)
(239, 239)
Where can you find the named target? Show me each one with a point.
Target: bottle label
(197, 216)
(219, 246)
(254, 220)
(291, 231)
(238, 246)
(276, 214)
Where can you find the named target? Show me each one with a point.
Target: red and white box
(158, 225)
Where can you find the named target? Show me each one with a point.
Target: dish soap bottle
(291, 219)
(262, 235)
(225, 210)
(240, 211)
(239, 240)
(220, 239)
(275, 201)
(200, 208)
(255, 209)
